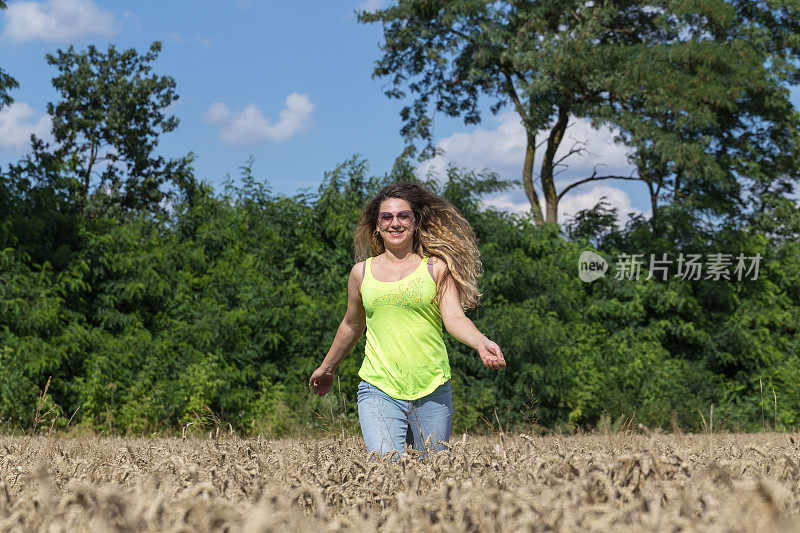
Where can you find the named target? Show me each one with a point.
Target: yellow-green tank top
(405, 355)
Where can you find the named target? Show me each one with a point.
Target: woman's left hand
(491, 355)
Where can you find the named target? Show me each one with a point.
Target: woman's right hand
(491, 355)
(321, 381)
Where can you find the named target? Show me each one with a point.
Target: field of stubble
(629, 482)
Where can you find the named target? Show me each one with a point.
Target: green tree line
(150, 300)
(228, 302)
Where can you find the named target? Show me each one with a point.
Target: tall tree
(715, 130)
(660, 64)
(107, 123)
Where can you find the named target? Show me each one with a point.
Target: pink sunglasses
(405, 217)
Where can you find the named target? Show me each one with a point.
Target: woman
(420, 271)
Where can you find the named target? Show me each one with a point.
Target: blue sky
(288, 83)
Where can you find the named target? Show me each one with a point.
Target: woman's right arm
(350, 330)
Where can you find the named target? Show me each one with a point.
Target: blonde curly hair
(441, 231)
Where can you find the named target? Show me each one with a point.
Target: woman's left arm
(461, 327)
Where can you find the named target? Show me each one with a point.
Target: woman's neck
(398, 256)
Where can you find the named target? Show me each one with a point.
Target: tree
(107, 123)
(700, 67)
(597, 225)
(6, 82)
(716, 132)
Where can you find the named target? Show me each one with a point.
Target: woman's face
(399, 231)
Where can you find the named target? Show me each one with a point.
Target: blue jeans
(386, 420)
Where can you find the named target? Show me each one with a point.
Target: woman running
(421, 269)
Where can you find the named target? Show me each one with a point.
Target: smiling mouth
(395, 233)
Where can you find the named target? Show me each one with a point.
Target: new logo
(591, 266)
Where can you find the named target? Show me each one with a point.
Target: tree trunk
(527, 180)
(653, 207)
(88, 177)
(548, 164)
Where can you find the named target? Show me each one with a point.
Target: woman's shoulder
(437, 266)
(438, 262)
(358, 270)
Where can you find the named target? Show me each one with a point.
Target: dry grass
(625, 482)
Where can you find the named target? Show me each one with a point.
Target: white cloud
(175, 37)
(249, 126)
(181, 40)
(502, 149)
(17, 122)
(57, 21)
(507, 202)
(574, 201)
(217, 113)
(371, 5)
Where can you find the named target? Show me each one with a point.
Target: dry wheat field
(615, 482)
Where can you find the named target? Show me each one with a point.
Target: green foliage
(152, 310)
(698, 91)
(6, 82)
(217, 313)
(271, 414)
(107, 123)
